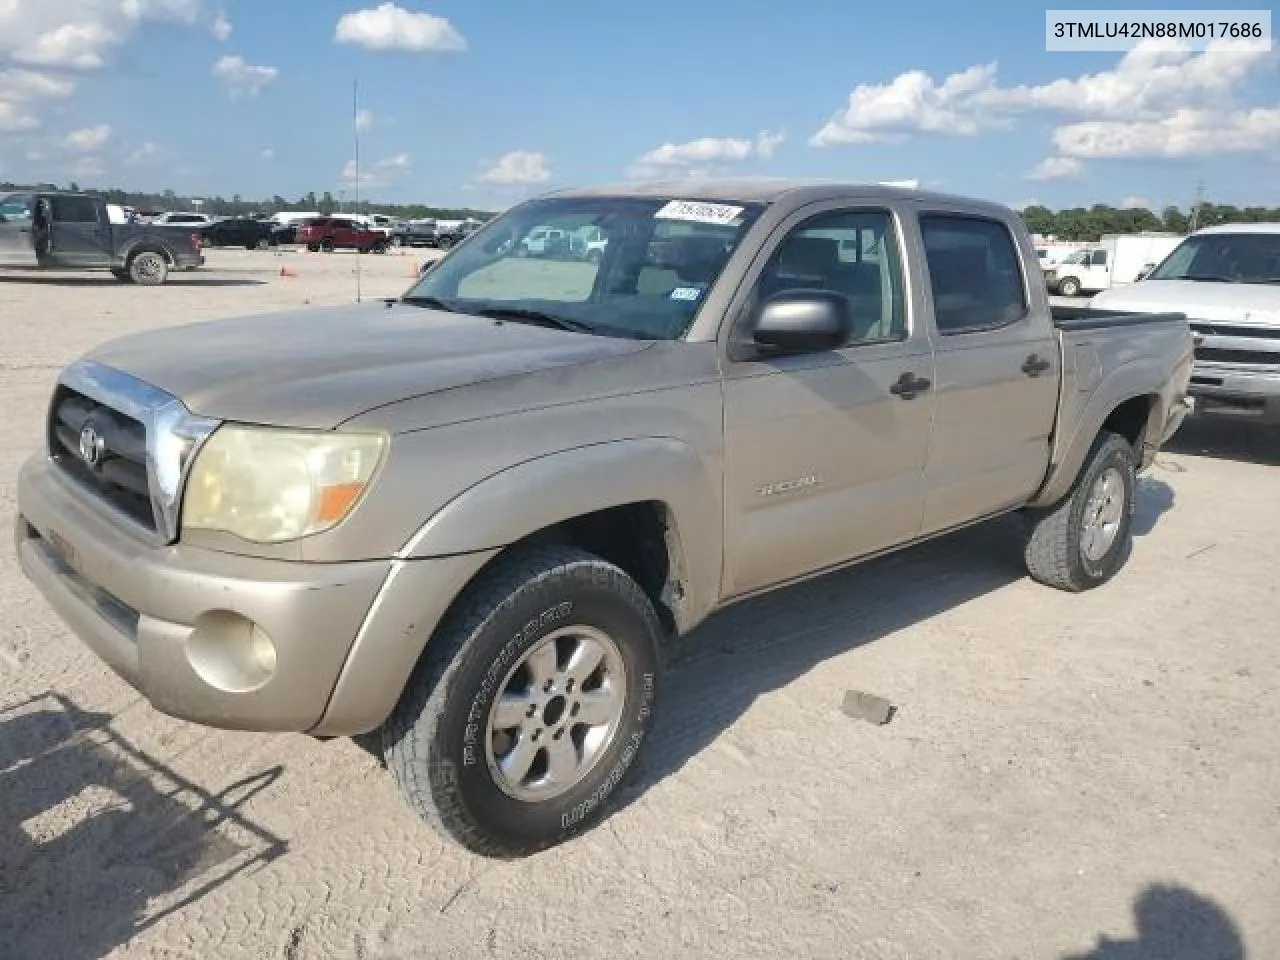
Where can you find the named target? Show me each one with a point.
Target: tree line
(238, 206)
(1088, 225)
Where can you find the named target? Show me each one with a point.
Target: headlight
(269, 485)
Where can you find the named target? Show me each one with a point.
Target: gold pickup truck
(461, 524)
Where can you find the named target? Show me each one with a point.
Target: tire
(313, 247)
(1069, 287)
(378, 248)
(262, 243)
(439, 743)
(327, 246)
(121, 275)
(1056, 553)
(148, 268)
(445, 243)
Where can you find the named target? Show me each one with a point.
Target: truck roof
(1242, 228)
(769, 190)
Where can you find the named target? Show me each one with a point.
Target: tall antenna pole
(1195, 208)
(355, 133)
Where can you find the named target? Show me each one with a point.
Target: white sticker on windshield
(698, 212)
(686, 293)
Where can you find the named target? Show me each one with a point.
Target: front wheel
(1069, 287)
(262, 244)
(150, 269)
(530, 703)
(1083, 540)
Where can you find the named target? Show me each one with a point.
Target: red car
(333, 233)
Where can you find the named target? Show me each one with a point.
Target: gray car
(463, 523)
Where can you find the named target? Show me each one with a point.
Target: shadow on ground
(182, 278)
(1173, 923)
(1228, 440)
(718, 671)
(98, 840)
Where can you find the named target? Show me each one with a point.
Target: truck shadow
(1173, 923)
(178, 278)
(1227, 440)
(716, 672)
(99, 840)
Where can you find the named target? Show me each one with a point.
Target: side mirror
(803, 321)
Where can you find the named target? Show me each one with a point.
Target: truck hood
(318, 367)
(1244, 304)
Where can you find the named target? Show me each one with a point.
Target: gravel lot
(1061, 770)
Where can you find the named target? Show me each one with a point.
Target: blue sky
(484, 102)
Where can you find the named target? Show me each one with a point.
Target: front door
(81, 234)
(17, 246)
(996, 360)
(824, 461)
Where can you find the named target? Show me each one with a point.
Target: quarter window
(974, 273)
(850, 253)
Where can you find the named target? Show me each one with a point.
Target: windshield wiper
(538, 317)
(432, 303)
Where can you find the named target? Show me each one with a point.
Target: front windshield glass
(1224, 258)
(618, 266)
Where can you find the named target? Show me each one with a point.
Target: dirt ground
(1065, 776)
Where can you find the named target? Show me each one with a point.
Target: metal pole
(355, 132)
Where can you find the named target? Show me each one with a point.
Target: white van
(1118, 259)
(1227, 281)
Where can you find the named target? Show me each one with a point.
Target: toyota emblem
(91, 445)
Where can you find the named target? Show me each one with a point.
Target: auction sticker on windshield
(720, 213)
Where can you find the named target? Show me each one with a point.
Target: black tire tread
(411, 728)
(1049, 547)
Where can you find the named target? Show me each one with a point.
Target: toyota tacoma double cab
(461, 523)
(74, 231)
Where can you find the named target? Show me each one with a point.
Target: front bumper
(174, 621)
(1230, 391)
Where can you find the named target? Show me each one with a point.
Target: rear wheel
(1084, 540)
(530, 703)
(148, 268)
(1069, 287)
(327, 245)
(313, 247)
(262, 244)
(379, 247)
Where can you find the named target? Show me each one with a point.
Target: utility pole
(1195, 207)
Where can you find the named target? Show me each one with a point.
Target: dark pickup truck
(72, 231)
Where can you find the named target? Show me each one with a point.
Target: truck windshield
(1225, 258)
(617, 266)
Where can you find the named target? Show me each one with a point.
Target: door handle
(1035, 365)
(909, 386)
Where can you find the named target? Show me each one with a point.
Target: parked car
(1119, 259)
(197, 220)
(73, 231)
(336, 233)
(461, 523)
(452, 236)
(241, 232)
(415, 233)
(545, 241)
(1227, 280)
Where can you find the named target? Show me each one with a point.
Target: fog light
(231, 652)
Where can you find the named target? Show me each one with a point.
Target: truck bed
(1089, 318)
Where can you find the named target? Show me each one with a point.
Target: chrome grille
(104, 450)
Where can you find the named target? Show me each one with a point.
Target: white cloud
(221, 27)
(364, 119)
(1056, 168)
(390, 27)
(1135, 203)
(147, 153)
(89, 139)
(79, 34)
(268, 154)
(1146, 85)
(517, 167)
(16, 118)
(401, 161)
(87, 167)
(1184, 133)
(242, 78)
(696, 159)
(19, 91)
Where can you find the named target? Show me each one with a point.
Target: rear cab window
(975, 274)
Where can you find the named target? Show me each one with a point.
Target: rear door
(81, 233)
(17, 248)
(996, 365)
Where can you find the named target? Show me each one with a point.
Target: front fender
(540, 493)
